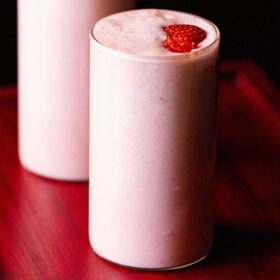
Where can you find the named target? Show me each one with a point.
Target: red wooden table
(43, 223)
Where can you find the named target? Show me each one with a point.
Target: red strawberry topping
(183, 38)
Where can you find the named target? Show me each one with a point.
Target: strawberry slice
(183, 38)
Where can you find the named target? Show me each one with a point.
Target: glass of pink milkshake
(53, 72)
(153, 103)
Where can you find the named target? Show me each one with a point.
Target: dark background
(249, 29)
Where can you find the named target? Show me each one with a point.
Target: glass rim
(163, 58)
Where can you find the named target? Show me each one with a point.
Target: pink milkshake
(152, 141)
(54, 83)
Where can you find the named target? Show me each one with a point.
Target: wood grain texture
(43, 223)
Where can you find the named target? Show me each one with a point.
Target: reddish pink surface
(43, 223)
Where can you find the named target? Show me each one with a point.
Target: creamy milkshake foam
(140, 32)
(152, 141)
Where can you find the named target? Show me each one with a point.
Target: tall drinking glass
(152, 141)
(53, 75)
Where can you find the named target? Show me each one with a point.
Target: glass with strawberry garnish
(153, 138)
